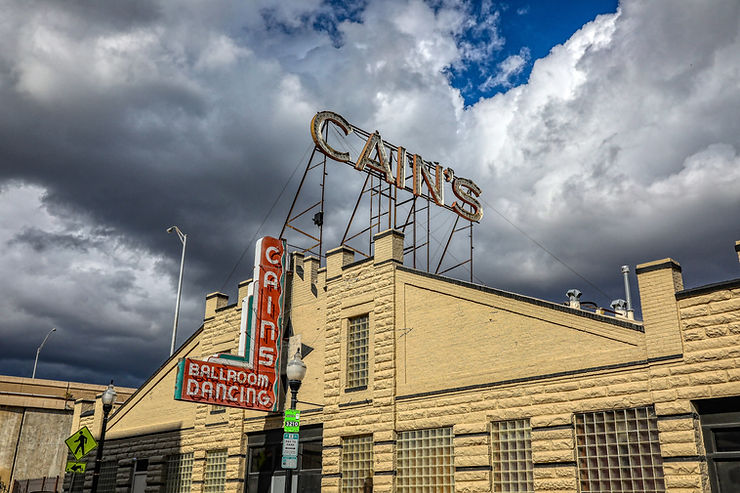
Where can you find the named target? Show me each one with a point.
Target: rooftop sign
(377, 156)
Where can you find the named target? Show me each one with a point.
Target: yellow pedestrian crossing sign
(76, 467)
(81, 443)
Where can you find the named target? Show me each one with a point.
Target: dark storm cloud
(42, 240)
(123, 119)
(126, 134)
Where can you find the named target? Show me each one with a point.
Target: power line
(546, 250)
(250, 243)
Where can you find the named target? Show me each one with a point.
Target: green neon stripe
(248, 328)
(232, 357)
(178, 380)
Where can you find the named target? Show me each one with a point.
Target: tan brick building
(418, 382)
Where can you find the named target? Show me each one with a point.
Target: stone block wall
(218, 428)
(686, 350)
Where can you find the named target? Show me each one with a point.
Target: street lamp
(36, 362)
(184, 240)
(108, 398)
(295, 371)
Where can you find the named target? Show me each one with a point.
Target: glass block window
(179, 473)
(357, 462)
(357, 349)
(107, 478)
(425, 461)
(619, 452)
(214, 478)
(511, 443)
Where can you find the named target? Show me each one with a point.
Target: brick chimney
(389, 246)
(336, 259)
(214, 301)
(658, 282)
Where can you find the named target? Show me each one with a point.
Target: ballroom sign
(249, 379)
(379, 157)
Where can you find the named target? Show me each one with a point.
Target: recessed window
(214, 479)
(264, 464)
(511, 444)
(426, 461)
(619, 451)
(357, 463)
(357, 351)
(179, 473)
(719, 419)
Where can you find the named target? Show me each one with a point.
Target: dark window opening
(264, 470)
(720, 426)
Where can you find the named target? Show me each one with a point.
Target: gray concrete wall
(10, 422)
(41, 450)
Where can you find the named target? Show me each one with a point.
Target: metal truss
(379, 202)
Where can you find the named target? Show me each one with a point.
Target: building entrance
(264, 473)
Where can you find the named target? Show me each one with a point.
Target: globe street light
(108, 398)
(295, 371)
(184, 240)
(36, 362)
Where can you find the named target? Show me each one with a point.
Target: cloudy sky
(603, 134)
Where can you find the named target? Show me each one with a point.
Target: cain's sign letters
(378, 156)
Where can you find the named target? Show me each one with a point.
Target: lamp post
(109, 396)
(295, 371)
(36, 362)
(184, 240)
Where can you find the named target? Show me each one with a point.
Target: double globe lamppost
(295, 370)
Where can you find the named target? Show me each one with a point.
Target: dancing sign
(251, 378)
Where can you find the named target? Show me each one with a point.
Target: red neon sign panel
(253, 380)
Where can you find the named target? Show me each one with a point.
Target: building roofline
(708, 288)
(155, 372)
(528, 299)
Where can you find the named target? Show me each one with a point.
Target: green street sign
(75, 467)
(292, 422)
(81, 443)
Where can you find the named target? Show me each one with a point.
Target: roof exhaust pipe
(627, 294)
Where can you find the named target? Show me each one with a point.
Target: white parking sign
(290, 451)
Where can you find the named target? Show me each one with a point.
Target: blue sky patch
(526, 31)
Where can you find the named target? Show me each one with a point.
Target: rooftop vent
(620, 307)
(574, 298)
